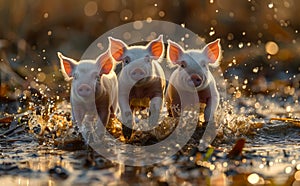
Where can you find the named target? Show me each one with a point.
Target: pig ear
(105, 63)
(156, 47)
(67, 65)
(174, 52)
(213, 51)
(117, 48)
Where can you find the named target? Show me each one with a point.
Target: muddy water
(270, 156)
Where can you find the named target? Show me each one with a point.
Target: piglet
(141, 80)
(191, 77)
(94, 84)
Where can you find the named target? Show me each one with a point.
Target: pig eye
(147, 59)
(126, 60)
(75, 76)
(183, 64)
(98, 78)
(204, 66)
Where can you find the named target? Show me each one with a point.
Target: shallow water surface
(270, 157)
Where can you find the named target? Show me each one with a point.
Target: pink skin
(141, 78)
(192, 74)
(93, 83)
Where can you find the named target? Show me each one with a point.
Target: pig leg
(211, 104)
(126, 116)
(169, 105)
(211, 128)
(114, 108)
(112, 112)
(104, 113)
(173, 102)
(78, 115)
(155, 106)
(114, 98)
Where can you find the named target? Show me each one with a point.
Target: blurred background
(259, 39)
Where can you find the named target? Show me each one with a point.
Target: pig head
(191, 77)
(141, 81)
(94, 83)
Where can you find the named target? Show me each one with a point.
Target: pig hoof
(127, 132)
(153, 122)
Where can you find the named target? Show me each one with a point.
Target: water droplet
(270, 5)
(126, 14)
(149, 174)
(255, 70)
(234, 61)
(49, 33)
(241, 45)
(149, 19)
(238, 94)
(288, 108)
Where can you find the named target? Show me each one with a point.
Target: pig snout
(137, 74)
(196, 80)
(84, 90)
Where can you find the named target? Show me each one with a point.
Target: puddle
(270, 156)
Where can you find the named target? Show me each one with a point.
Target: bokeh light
(253, 178)
(271, 48)
(91, 8)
